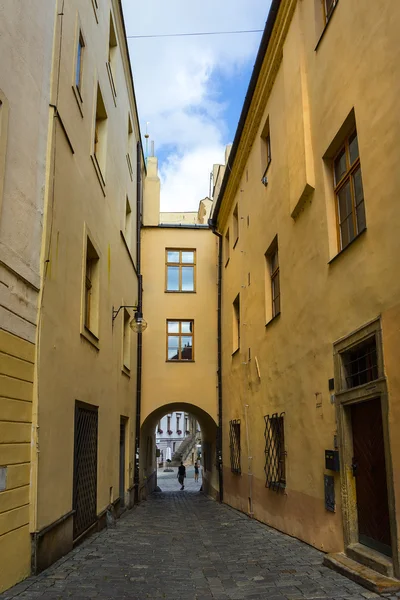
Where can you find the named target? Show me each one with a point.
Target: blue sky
(191, 89)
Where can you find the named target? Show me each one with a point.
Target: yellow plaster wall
(320, 302)
(16, 376)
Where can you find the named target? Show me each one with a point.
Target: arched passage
(148, 465)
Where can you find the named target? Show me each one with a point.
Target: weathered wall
(26, 37)
(312, 94)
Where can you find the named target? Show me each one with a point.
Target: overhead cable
(164, 35)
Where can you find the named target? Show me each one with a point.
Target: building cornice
(253, 113)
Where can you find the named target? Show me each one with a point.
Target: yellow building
(180, 344)
(309, 216)
(70, 263)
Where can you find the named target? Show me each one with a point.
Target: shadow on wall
(148, 461)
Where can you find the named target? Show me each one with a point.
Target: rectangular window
(236, 323)
(112, 57)
(128, 223)
(360, 363)
(275, 455)
(227, 247)
(350, 209)
(329, 6)
(178, 420)
(266, 156)
(180, 270)
(273, 294)
(187, 425)
(130, 147)
(235, 225)
(127, 341)
(180, 340)
(100, 134)
(91, 304)
(234, 445)
(169, 424)
(79, 64)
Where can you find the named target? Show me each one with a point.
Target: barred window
(234, 436)
(275, 455)
(360, 363)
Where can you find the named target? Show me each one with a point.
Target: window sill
(78, 99)
(236, 241)
(99, 173)
(95, 8)
(235, 351)
(236, 471)
(112, 83)
(128, 250)
(326, 26)
(90, 337)
(227, 263)
(268, 323)
(366, 387)
(179, 292)
(348, 246)
(276, 485)
(126, 371)
(180, 362)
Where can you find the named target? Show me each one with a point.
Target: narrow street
(183, 546)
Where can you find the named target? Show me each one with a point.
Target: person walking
(182, 475)
(196, 471)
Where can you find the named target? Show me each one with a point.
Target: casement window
(328, 8)
(180, 270)
(128, 223)
(235, 225)
(112, 57)
(350, 208)
(169, 423)
(91, 290)
(236, 324)
(100, 135)
(126, 345)
(178, 421)
(226, 247)
(180, 336)
(79, 64)
(130, 147)
(266, 155)
(275, 455)
(234, 445)
(273, 289)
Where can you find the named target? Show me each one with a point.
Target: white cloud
(175, 87)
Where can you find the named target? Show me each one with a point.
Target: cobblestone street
(183, 546)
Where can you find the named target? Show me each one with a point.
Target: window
(236, 323)
(275, 455)
(328, 6)
(91, 295)
(4, 108)
(265, 150)
(169, 424)
(79, 64)
(273, 290)
(112, 56)
(350, 209)
(130, 147)
(128, 223)
(235, 225)
(227, 247)
(95, 4)
(360, 363)
(178, 419)
(180, 270)
(186, 424)
(180, 340)
(100, 135)
(126, 342)
(234, 445)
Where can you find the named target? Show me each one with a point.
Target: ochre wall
(313, 92)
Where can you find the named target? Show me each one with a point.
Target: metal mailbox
(332, 460)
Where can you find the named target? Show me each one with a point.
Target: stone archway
(148, 465)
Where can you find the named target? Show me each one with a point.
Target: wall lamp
(137, 324)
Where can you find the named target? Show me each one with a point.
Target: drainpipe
(219, 371)
(136, 475)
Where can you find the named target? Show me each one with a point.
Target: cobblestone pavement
(183, 546)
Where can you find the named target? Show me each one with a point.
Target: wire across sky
(165, 35)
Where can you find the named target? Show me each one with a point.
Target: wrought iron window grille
(360, 364)
(275, 454)
(234, 445)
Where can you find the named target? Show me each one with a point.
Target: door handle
(354, 467)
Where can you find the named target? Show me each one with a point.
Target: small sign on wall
(3, 478)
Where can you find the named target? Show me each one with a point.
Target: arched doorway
(147, 455)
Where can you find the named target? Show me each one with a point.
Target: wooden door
(370, 473)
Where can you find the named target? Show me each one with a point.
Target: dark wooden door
(370, 473)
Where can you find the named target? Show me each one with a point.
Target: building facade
(171, 431)
(69, 277)
(310, 293)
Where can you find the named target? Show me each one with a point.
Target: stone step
(370, 579)
(371, 558)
